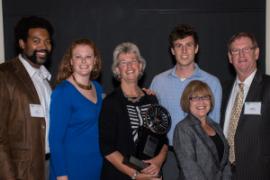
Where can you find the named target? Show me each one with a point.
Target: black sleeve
(107, 126)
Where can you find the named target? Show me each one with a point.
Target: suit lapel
(226, 147)
(205, 138)
(253, 95)
(227, 90)
(256, 84)
(27, 82)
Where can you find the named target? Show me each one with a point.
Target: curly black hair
(26, 23)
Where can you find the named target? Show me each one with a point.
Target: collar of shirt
(246, 83)
(195, 73)
(45, 74)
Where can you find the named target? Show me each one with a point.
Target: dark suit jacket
(252, 138)
(197, 153)
(22, 137)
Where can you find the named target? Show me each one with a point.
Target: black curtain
(146, 23)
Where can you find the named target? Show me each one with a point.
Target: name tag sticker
(253, 108)
(36, 110)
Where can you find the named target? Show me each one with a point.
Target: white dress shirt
(235, 89)
(40, 77)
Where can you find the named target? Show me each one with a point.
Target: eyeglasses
(199, 98)
(126, 63)
(245, 50)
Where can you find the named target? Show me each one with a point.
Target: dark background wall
(145, 22)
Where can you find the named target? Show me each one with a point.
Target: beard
(35, 59)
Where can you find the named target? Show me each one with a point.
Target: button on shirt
(235, 89)
(169, 88)
(40, 77)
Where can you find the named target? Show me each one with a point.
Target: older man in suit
(25, 97)
(246, 106)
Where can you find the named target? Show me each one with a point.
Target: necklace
(134, 99)
(85, 87)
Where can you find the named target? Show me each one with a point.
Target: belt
(47, 156)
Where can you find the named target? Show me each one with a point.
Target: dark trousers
(170, 168)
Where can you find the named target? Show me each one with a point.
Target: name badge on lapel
(36, 110)
(253, 108)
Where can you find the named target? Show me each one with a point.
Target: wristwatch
(135, 175)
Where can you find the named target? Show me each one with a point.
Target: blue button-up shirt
(169, 88)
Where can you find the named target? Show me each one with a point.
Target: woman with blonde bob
(199, 143)
(123, 113)
(75, 107)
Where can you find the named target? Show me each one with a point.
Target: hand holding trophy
(151, 136)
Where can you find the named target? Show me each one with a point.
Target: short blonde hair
(126, 47)
(194, 88)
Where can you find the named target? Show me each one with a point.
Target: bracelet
(135, 174)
